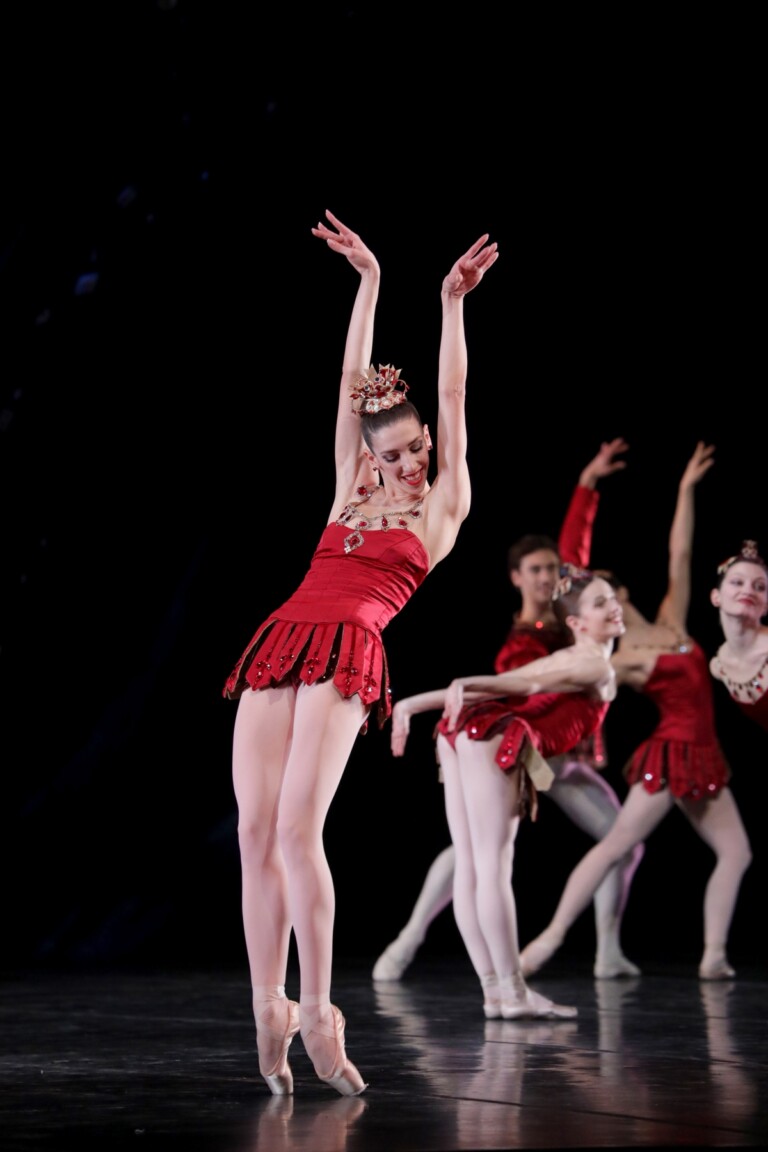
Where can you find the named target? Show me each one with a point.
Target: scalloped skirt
(697, 771)
(287, 652)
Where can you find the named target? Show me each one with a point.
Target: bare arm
(410, 706)
(674, 607)
(567, 670)
(352, 467)
(449, 497)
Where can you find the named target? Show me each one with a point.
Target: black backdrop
(171, 329)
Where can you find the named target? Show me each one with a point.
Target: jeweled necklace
(388, 519)
(748, 691)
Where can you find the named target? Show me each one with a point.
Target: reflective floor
(166, 1059)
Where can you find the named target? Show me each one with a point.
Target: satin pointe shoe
(394, 960)
(721, 970)
(342, 1073)
(536, 954)
(615, 969)
(519, 1002)
(274, 1023)
(492, 1009)
(491, 997)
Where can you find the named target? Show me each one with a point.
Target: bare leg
(592, 805)
(324, 731)
(482, 810)
(260, 746)
(284, 786)
(639, 815)
(719, 824)
(436, 894)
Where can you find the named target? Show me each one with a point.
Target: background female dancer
(578, 788)
(321, 658)
(741, 661)
(491, 741)
(680, 764)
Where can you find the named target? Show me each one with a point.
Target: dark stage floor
(166, 1059)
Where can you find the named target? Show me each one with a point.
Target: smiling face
(535, 578)
(400, 450)
(598, 615)
(743, 591)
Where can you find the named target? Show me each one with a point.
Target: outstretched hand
(454, 702)
(605, 462)
(701, 462)
(347, 242)
(470, 268)
(401, 726)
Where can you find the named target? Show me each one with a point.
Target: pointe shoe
(536, 954)
(343, 1076)
(492, 1009)
(491, 996)
(393, 962)
(721, 970)
(277, 1073)
(615, 969)
(519, 1002)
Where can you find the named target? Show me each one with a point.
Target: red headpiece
(569, 573)
(376, 391)
(748, 552)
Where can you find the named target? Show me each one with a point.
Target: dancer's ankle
(491, 996)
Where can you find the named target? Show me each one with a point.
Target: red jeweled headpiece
(569, 573)
(748, 552)
(376, 391)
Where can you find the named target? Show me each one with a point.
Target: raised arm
(449, 497)
(352, 467)
(575, 541)
(674, 607)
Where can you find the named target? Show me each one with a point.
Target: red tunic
(683, 752)
(526, 642)
(550, 722)
(330, 628)
(756, 710)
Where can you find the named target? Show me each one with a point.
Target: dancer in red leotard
(680, 764)
(741, 661)
(579, 788)
(315, 669)
(492, 741)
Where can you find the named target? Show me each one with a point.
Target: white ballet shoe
(491, 997)
(343, 1075)
(519, 1002)
(394, 961)
(721, 970)
(536, 954)
(615, 969)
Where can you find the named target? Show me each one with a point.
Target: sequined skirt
(290, 652)
(518, 751)
(697, 771)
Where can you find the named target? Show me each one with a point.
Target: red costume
(550, 722)
(330, 628)
(756, 710)
(527, 642)
(683, 752)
